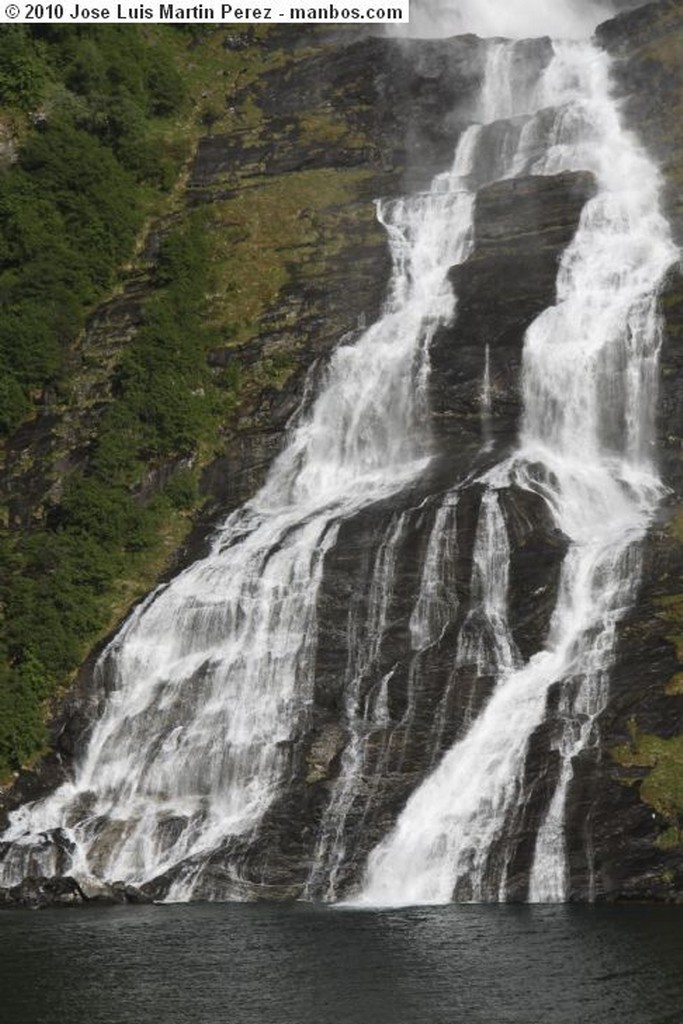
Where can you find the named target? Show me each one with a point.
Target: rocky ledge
(518, 224)
(521, 228)
(39, 893)
(625, 823)
(522, 220)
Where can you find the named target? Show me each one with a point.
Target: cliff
(298, 136)
(628, 798)
(270, 252)
(276, 863)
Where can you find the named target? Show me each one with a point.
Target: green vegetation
(95, 113)
(662, 786)
(104, 119)
(674, 687)
(162, 407)
(61, 581)
(671, 612)
(670, 839)
(260, 230)
(661, 760)
(72, 205)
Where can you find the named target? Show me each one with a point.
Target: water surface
(264, 964)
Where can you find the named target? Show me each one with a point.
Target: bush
(70, 210)
(22, 73)
(60, 579)
(182, 489)
(71, 207)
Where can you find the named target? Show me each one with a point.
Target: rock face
(318, 116)
(64, 891)
(646, 45)
(292, 853)
(424, 711)
(313, 121)
(389, 114)
(626, 803)
(392, 112)
(521, 226)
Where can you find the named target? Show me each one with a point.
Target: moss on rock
(662, 784)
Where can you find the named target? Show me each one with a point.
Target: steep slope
(323, 816)
(283, 198)
(270, 253)
(628, 802)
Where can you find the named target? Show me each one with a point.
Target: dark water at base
(258, 964)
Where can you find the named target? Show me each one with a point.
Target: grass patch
(262, 231)
(671, 610)
(155, 405)
(662, 786)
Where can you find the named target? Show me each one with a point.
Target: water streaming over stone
(365, 712)
(485, 400)
(437, 600)
(211, 682)
(584, 446)
(505, 93)
(485, 640)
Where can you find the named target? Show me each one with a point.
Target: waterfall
(211, 680)
(437, 600)
(585, 446)
(485, 400)
(485, 639)
(363, 715)
(210, 683)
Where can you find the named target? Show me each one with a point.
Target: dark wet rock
(395, 110)
(392, 109)
(325, 751)
(121, 892)
(533, 217)
(616, 835)
(537, 551)
(430, 699)
(32, 784)
(410, 98)
(38, 893)
(521, 228)
(618, 845)
(541, 774)
(669, 419)
(647, 45)
(324, 301)
(396, 106)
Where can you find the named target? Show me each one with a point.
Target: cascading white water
(506, 93)
(211, 680)
(437, 599)
(212, 676)
(485, 400)
(485, 639)
(363, 715)
(599, 482)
